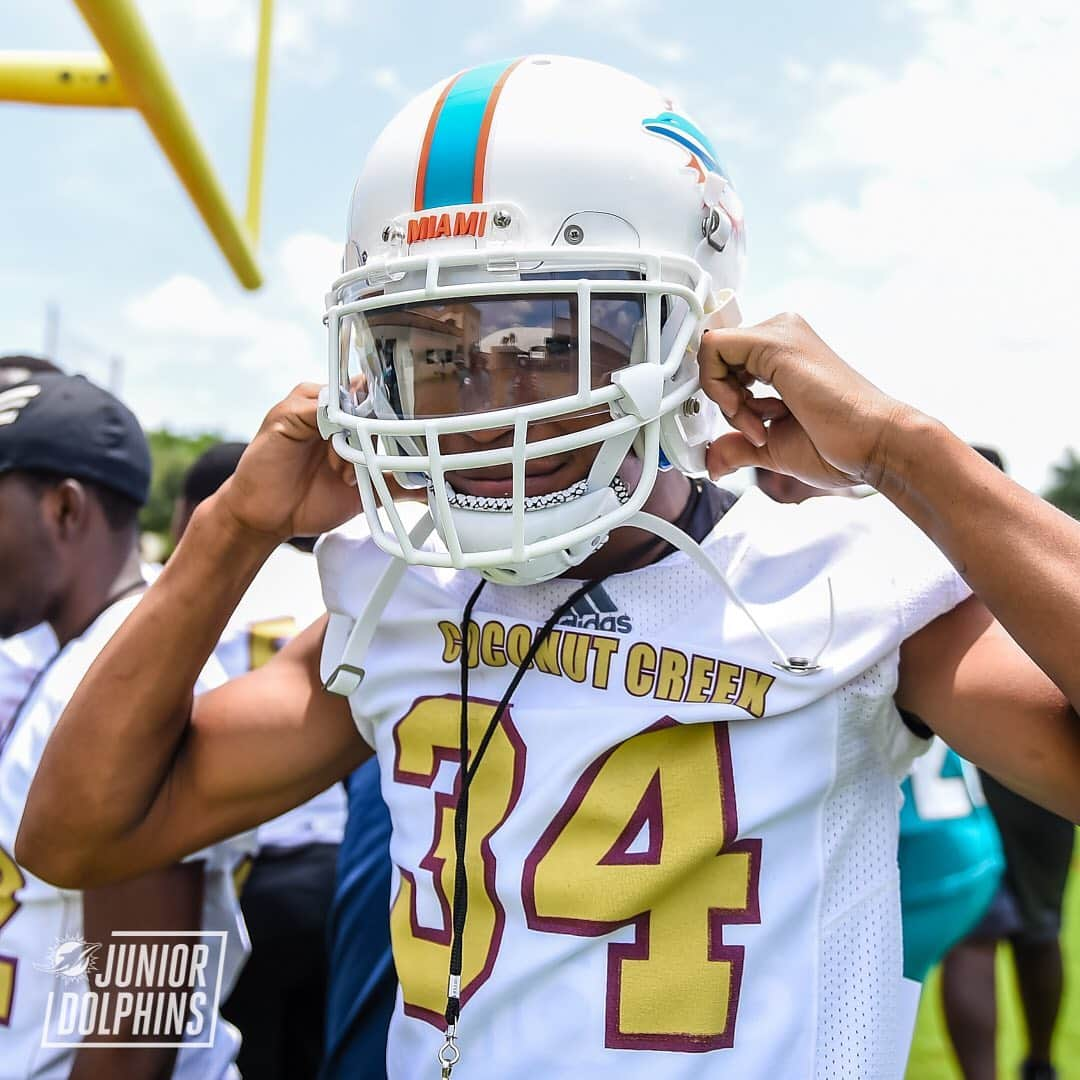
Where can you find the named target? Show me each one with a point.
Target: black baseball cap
(18, 367)
(66, 425)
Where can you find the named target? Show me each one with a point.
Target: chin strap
(349, 673)
(794, 665)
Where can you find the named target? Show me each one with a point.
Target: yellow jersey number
(11, 881)
(646, 838)
(268, 637)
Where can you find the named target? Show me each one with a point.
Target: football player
(23, 655)
(74, 470)
(297, 899)
(666, 847)
(280, 1000)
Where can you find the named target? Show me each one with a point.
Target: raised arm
(834, 429)
(1018, 553)
(134, 777)
(967, 680)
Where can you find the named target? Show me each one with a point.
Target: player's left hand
(830, 427)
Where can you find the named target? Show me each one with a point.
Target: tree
(172, 456)
(1064, 492)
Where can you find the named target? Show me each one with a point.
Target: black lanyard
(449, 1053)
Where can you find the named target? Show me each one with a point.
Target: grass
(931, 1053)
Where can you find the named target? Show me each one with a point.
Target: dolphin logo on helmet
(684, 133)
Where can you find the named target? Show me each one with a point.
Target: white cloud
(950, 276)
(846, 75)
(204, 362)
(308, 263)
(984, 91)
(482, 43)
(226, 26)
(184, 306)
(388, 80)
(230, 28)
(648, 42)
(797, 72)
(532, 11)
(631, 21)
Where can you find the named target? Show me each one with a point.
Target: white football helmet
(534, 247)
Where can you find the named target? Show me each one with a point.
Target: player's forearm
(114, 745)
(1016, 551)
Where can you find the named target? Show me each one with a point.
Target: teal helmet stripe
(450, 164)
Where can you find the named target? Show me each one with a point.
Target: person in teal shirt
(951, 859)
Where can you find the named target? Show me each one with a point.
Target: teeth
(532, 502)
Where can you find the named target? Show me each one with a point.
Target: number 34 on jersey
(645, 838)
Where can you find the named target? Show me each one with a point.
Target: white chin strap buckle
(798, 665)
(345, 680)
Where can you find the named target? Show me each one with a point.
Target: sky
(910, 171)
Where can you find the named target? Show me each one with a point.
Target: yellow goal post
(129, 73)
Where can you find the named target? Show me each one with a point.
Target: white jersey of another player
(35, 916)
(284, 599)
(681, 859)
(22, 657)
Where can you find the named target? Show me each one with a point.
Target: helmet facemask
(442, 369)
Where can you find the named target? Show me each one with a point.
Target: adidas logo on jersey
(597, 611)
(13, 401)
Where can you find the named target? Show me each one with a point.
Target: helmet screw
(386, 234)
(500, 219)
(363, 258)
(716, 228)
(573, 234)
(691, 407)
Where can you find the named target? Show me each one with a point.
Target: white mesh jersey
(21, 658)
(284, 599)
(35, 915)
(681, 859)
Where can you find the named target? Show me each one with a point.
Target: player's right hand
(289, 481)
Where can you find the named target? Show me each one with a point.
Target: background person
(949, 855)
(363, 982)
(279, 1000)
(23, 655)
(317, 919)
(74, 470)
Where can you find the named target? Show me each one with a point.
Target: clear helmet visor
(464, 356)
